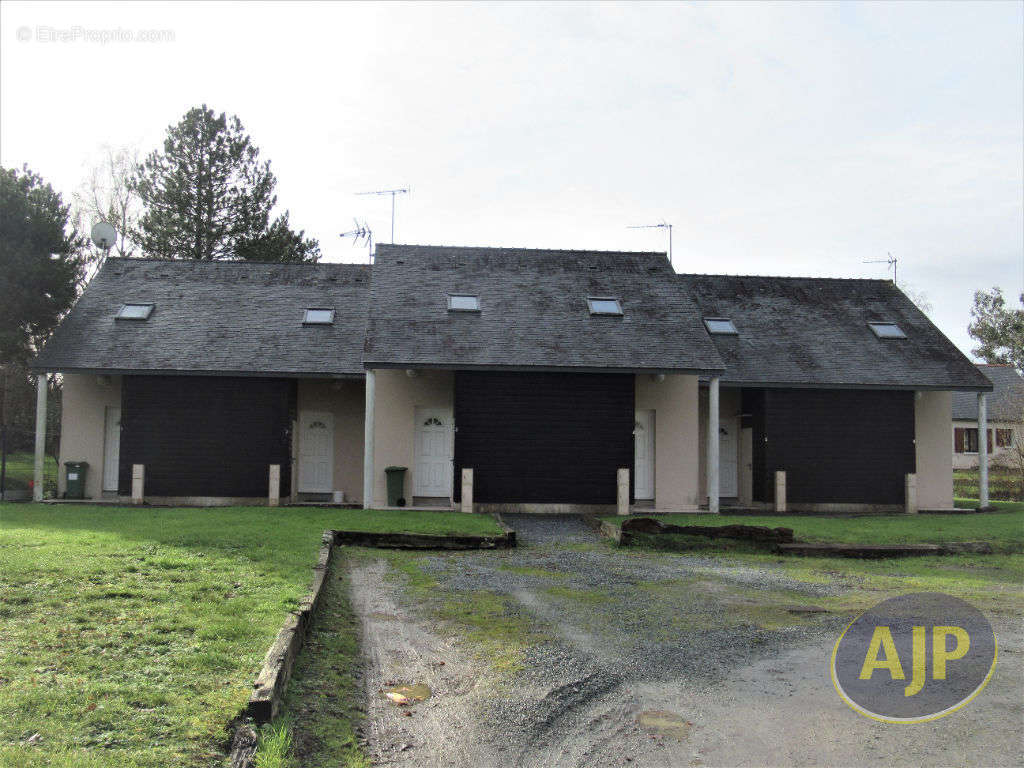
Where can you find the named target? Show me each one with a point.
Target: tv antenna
(662, 225)
(891, 261)
(393, 193)
(362, 233)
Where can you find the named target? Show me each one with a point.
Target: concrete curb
(877, 551)
(277, 664)
(505, 540)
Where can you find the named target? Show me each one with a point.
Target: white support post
(274, 489)
(466, 499)
(780, 491)
(622, 495)
(712, 457)
(138, 483)
(37, 470)
(910, 497)
(368, 440)
(982, 450)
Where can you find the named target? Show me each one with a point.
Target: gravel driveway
(646, 659)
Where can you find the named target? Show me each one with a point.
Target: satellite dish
(104, 235)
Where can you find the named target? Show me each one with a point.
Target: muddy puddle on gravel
(407, 694)
(667, 724)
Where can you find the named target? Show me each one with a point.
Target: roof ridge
(239, 262)
(521, 249)
(787, 277)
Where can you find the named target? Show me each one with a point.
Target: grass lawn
(130, 637)
(1003, 483)
(1004, 529)
(20, 468)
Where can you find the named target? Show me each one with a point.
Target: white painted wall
(398, 396)
(345, 400)
(85, 398)
(933, 415)
(678, 464)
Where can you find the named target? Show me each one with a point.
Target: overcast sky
(794, 139)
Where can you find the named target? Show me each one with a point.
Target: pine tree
(207, 196)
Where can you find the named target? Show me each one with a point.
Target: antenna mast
(662, 225)
(361, 232)
(891, 261)
(393, 193)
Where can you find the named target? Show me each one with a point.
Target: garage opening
(543, 438)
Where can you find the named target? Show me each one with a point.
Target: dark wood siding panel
(839, 446)
(206, 436)
(543, 437)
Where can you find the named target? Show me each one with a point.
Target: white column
(622, 495)
(368, 441)
(780, 491)
(274, 486)
(466, 497)
(37, 474)
(712, 462)
(982, 449)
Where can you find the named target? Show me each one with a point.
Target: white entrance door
(432, 460)
(111, 448)
(316, 452)
(728, 456)
(643, 456)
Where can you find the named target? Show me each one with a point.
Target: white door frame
(305, 484)
(642, 492)
(420, 413)
(111, 448)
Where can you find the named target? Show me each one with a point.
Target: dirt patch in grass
(322, 707)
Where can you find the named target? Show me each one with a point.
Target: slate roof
(1004, 404)
(533, 311)
(813, 332)
(216, 317)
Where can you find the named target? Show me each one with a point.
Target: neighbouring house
(544, 372)
(1005, 419)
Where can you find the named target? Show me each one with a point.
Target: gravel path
(714, 648)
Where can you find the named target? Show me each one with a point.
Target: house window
(720, 326)
(887, 330)
(316, 316)
(604, 305)
(1004, 438)
(965, 439)
(134, 312)
(463, 303)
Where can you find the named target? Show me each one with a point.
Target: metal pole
(37, 475)
(368, 441)
(982, 450)
(392, 218)
(712, 447)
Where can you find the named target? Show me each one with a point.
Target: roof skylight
(318, 316)
(463, 303)
(720, 326)
(134, 312)
(604, 305)
(887, 330)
